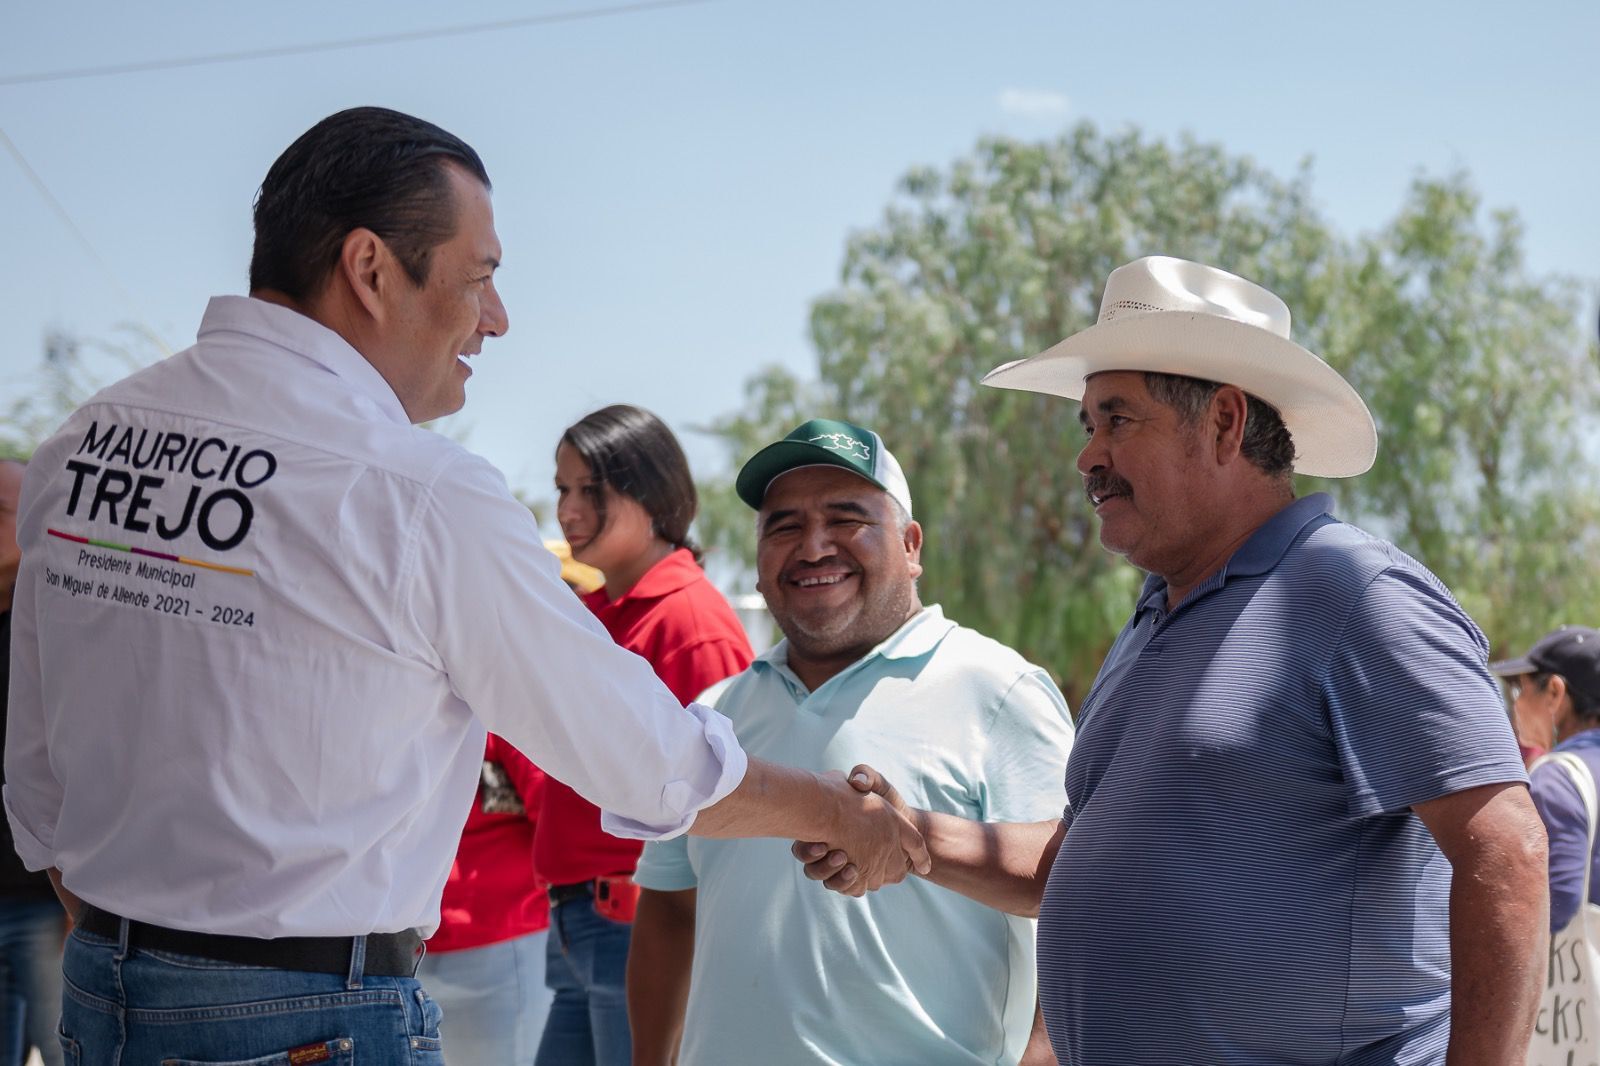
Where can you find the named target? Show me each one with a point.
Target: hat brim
(778, 459)
(1334, 435)
(1513, 667)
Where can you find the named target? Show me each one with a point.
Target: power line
(351, 42)
(66, 218)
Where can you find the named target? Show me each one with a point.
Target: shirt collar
(304, 336)
(1263, 551)
(920, 635)
(676, 571)
(1267, 545)
(1589, 738)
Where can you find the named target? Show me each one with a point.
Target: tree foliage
(1486, 398)
(1006, 252)
(73, 369)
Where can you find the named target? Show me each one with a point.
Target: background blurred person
(625, 502)
(32, 924)
(485, 965)
(1555, 698)
(1555, 706)
(1547, 707)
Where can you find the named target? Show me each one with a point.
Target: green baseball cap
(824, 442)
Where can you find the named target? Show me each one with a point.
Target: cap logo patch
(845, 444)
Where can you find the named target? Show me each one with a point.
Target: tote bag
(1565, 1031)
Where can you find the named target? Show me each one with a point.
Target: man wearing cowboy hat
(1297, 829)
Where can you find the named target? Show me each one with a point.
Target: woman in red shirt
(485, 965)
(625, 499)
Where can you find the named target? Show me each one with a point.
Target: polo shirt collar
(1589, 738)
(304, 336)
(676, 571)
(1263, 551)
(919, 636)
(1267, 545)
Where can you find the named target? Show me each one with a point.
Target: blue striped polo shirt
(1242, 881)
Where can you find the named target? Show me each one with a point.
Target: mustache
(1105, 484)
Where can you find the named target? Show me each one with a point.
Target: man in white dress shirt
(263, 622)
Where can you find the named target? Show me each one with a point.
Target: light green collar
(919, 636)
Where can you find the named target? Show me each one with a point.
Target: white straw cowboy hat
(1177, 317)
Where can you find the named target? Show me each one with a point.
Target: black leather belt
(388, 954)
(563, 893)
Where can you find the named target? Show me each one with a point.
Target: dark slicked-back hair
(635, 453)
(367, 167)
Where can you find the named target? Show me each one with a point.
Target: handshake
(877, 840)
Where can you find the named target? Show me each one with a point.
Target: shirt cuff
(34, 853)
(721, 768)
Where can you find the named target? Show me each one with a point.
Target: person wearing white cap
(1298, 828)
(732, 947)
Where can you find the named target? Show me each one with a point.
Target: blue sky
(674, 186)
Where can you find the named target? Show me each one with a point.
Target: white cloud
(1034, 103)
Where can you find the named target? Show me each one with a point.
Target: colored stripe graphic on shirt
(154, 555)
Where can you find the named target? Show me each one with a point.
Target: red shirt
(493, 893)
(679, 622)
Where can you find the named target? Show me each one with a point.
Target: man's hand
(875, 839)
(1003, 865)
(833, 863)
(789, 803)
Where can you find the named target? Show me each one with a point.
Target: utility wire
(61, 213)
(270, 53)
(351, 42)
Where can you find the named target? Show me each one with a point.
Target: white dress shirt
(257, 705)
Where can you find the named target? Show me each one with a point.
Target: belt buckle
(560, 894)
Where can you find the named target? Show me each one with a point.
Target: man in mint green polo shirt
(734, 949)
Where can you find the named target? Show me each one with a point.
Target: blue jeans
(30, 979)
(494, 999)
(143, 1008)
(586, 966)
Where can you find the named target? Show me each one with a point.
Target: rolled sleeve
(708, 782)
(664, 866)
(1413, 711)
(537, 668)
(34, 853)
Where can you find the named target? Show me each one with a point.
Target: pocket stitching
(70, 1052)
(340, 1048)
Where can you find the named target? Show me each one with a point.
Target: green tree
(73, 369)
(996, 259)
(1487, 401)
(1006, 252)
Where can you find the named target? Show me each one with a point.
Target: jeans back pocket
(339, 1050)
(71, 1055)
